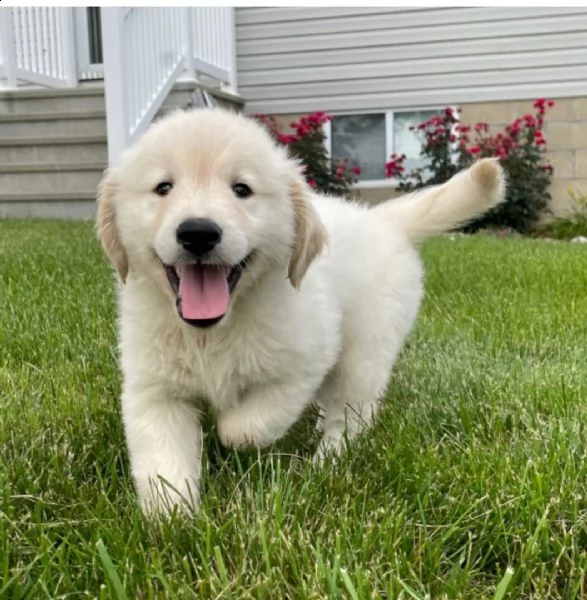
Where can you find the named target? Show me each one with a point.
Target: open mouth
(203, 291)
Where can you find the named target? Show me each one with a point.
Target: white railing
(38, 45)
(145, 52)
(212, 33)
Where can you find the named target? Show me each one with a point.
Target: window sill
(376, 183)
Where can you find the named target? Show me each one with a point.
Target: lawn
(471, 485)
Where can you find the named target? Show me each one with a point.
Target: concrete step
(74, 205)
(54, 151)
(83, 123)
(51, 167)
(60, 139)
(29, 180)
(88, 97)
(85, 98)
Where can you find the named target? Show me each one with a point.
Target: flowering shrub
(571, 226)
(305, 141)
(448, 147)
(438, 136)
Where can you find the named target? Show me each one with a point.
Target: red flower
(538, 134)
(539, 103)
(474, 149)
(435, 121)
(540, 142)
(312, 182)
(356, 170)
(394, 167)
(340, 171)
(481, 127)
(317, 118)
(285, 139)
(303, 129)
(550, 103)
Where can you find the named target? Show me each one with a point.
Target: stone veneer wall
(566, 135)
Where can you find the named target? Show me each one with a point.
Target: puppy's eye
(163, 188)
(242, 190)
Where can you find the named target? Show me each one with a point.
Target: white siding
(354, 59)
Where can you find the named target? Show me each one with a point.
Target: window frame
(386, 182)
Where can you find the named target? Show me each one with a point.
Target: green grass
(471, 485)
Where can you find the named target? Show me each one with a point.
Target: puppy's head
(204, 204)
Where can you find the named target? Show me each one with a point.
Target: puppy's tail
(441, 208)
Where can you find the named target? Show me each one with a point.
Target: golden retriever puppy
(241, 288)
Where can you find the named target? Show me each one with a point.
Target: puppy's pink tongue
(203, 290)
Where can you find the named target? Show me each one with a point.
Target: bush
(567, 228)
(306, 142)
(447, 148)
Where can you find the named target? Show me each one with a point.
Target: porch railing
(147, 49)
(37, 45)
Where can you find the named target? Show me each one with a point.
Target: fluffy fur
(319, 315)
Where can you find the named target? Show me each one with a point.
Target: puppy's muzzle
(198, 236)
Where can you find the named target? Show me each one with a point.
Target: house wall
(490, 61)
(297, 59)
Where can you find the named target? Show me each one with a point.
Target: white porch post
(189, 43)
(69, 47)
(8, 49)
(116, 118)
(233, 78)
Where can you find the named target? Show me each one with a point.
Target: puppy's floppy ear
(107, 228)
(310, 236)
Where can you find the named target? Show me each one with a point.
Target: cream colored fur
(319, 315)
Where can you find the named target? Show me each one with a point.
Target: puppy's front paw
(329, 449)
(159, 499)
(237, 431)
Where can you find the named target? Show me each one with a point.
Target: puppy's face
(204, 204)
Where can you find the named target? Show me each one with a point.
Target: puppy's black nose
(198, 236)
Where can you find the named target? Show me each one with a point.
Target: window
(370, 139)
(361, 138)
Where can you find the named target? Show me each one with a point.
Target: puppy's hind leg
(267, 412)
(349, 399)
(350, 396)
